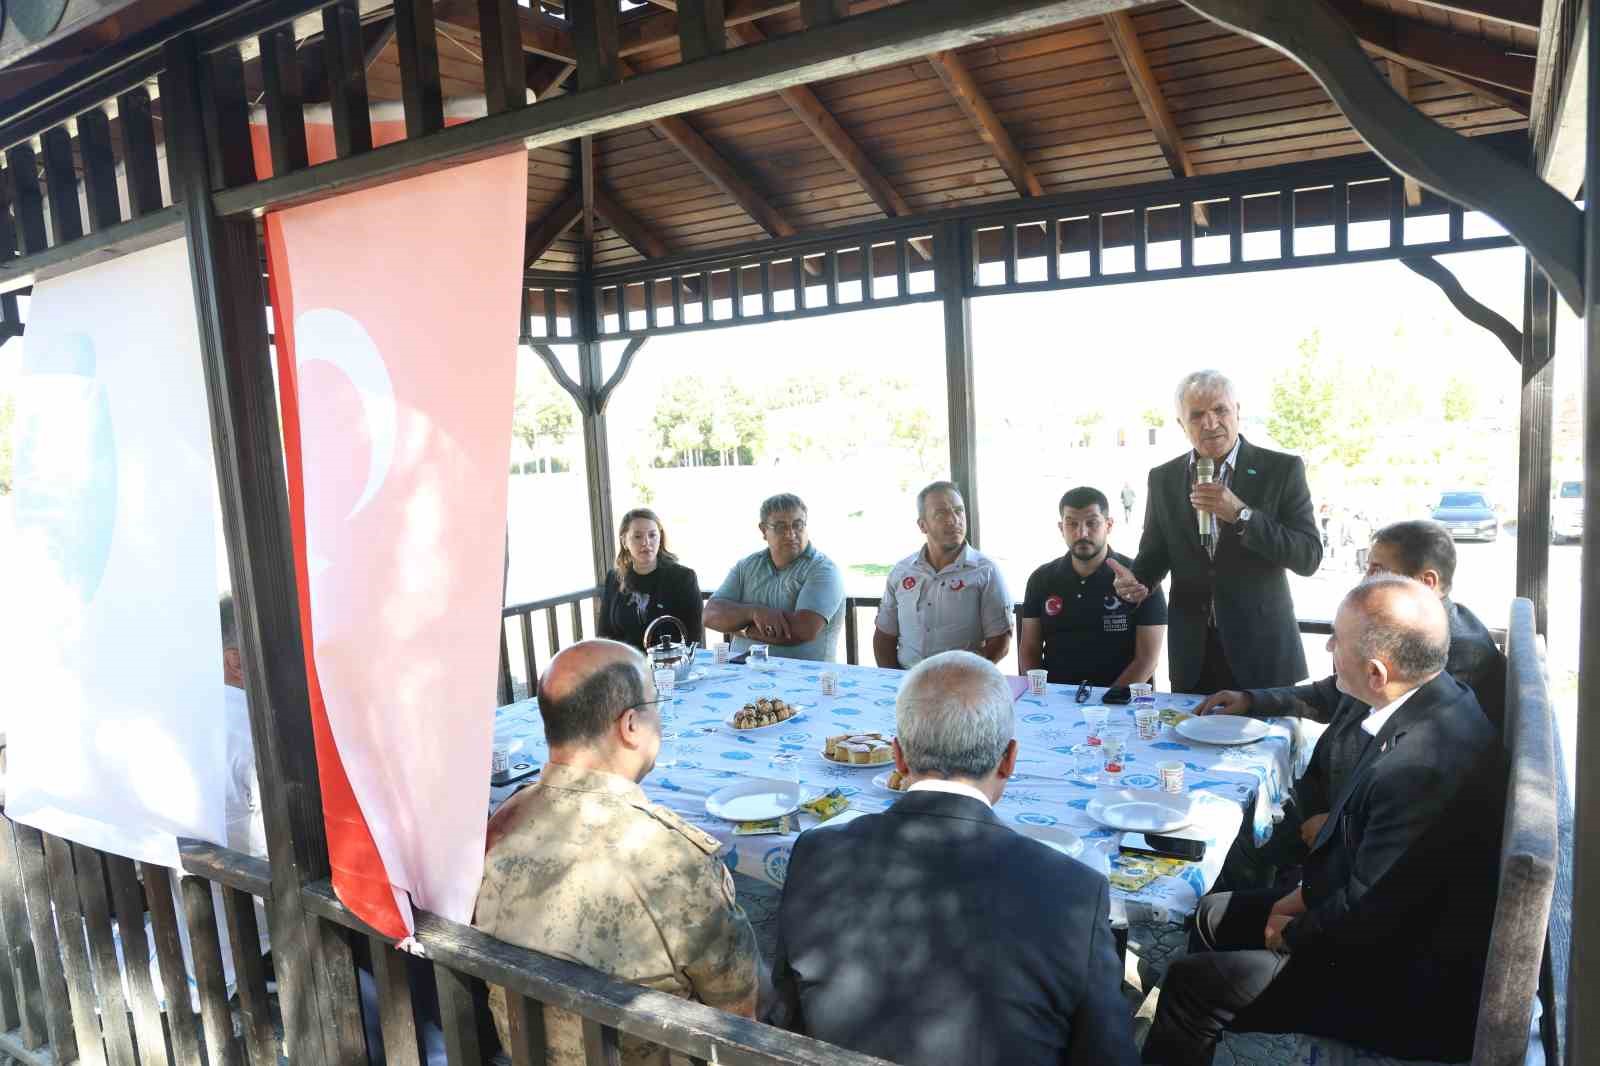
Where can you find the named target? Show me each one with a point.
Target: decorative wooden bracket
(1473, 311)
(1311, 33)
(586, 404)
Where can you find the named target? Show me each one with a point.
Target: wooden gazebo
(710, 163)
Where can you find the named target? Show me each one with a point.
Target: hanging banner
(112, 677)
(396, 312)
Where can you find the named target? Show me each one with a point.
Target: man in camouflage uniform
(583, 867)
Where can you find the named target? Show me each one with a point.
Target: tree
(1154, 417)
(1303, 402)
(1460, 400)
(544, 418)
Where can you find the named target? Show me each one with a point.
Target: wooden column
(953, 255)
(1535, 428)
(224, 257)
(596, 445)
(1583, 983)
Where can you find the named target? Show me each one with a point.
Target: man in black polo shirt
(1073, 624)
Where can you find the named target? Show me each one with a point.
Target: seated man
(1422, 550)
(1383, 943)
(1073, 624)
(933, 933)
(947, 596)
(582, 866)
(788, 595)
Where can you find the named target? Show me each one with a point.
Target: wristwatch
(1244, 515)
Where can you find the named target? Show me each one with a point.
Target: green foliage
(1330, 412)
(544, 418)
(1460, 400)
(1302, 417)
(1154, 417)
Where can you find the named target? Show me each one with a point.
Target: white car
(1566, 511)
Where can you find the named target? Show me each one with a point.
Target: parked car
(1467, 515)
(1566, 511)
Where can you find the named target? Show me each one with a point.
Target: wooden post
(1583, 983)
(1535, 428)
(596, 446)
(953, 254)
(225, 261)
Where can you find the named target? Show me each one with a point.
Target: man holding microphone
(1226, 520)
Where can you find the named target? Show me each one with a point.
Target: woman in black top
(648, 582)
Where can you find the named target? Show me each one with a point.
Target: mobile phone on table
(1120, 694)
(1163, 847)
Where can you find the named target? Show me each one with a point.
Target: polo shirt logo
(1112, 603)
(909, 583)
(1052, 606)
(957, 585)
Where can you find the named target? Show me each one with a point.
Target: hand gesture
(1273, 936)
(1311, 827)
(1225, 702)
(1216, 498)
(768, 623)
(1126, 586)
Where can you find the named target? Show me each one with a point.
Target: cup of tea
(1114, 743)
(760, 657)
(1036, 681)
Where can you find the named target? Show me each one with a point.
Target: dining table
(1228, 786)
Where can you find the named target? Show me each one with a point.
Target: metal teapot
(669, 654)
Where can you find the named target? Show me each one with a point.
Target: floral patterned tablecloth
(1225, 783)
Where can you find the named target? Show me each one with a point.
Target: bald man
(582, 866)
(1383, 942)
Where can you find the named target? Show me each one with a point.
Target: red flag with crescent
(395, 312)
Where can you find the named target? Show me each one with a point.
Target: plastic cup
(1148, 721)
(1036, 681)
(1095, 719)
(666, 681)
(830, 683)
(1086, 761)
(1171, 776)
(667, 757)
(723, 652)
(760, 657)
(785, 767)
(1114, 743)
(1140, 689)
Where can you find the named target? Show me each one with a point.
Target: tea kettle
(669, 654)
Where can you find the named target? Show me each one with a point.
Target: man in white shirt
(947, 596)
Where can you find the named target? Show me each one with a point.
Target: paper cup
(723, 652)
(1171, 776)
(1036, 681)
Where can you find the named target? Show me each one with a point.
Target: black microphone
(1205, 472)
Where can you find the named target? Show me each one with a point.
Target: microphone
(1205, 472)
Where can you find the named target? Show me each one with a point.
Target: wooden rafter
(1147, 90)
(967, 93)
(1413, 42)
(585, 149)
(628, 227)
(543, 233)
(1521, 14)
(1400, 78)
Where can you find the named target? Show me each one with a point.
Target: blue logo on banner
(1035, 818)
(776, 863)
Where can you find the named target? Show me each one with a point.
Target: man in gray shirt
(789, 595)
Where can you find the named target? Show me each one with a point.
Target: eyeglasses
(641, 703)
(783, 529)
(1082, 695)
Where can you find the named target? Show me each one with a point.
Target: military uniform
(583, 867)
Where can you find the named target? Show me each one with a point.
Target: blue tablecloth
(1224, 782)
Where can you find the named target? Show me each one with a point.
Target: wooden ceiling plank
(629, 228)
(1450, 53)
(542, 234)
(959, 81)
(1519, 14)
(1400, 78)
(1147, 90)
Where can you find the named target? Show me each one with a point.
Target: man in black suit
(1419, 549)
(935, 935)
(1230, 619)
(1383, 943)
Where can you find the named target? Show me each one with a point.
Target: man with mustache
(1074, 625)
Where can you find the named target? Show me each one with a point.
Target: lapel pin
(1250, 470)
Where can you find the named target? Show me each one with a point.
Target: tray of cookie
(859, 751)
(763, 714)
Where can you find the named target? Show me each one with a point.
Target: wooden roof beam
(1147, 90)
(964, 88)
(628, 227)
(1413, 42)
(542, 234)
(1400, 78)
(1520, 14)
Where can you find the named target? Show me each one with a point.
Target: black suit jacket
(1255, 614)
(934, 935)
(1474, 661)
(1400, 884)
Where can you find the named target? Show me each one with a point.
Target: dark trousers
(1227, 970)
(1215, 673)
(1250, 867)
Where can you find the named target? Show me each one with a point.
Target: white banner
(112, 663)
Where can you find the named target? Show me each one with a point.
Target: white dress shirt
(955, 788)
(1374, 722)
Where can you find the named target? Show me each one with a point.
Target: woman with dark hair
(648, 582)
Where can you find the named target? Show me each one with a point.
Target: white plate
(882, 781)
(799, 712)
(856, 765)
(1065, 841)
(754, 799)
(1222, 729)
(1140, 810)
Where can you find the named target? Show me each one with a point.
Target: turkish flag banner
(396, 326)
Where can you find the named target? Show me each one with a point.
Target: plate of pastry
(892, 781)
(763, 713)
(859, 751)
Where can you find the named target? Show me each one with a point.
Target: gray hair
(954, 716)
(783, 501)
(1414, 643)
(937, 486)
(1202, 381)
